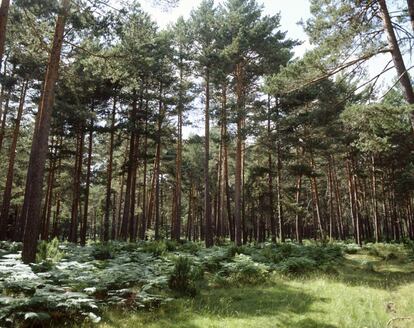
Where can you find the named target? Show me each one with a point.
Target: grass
(366, 291)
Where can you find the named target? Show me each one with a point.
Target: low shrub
(190, 247)
(157, 248)
(242, 270)
(297, 265)
(102, 252)
(49, 252)
(184, 276)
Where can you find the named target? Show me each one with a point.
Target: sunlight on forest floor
(367, 291)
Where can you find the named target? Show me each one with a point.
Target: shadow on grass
(375, 273)
(278, 305)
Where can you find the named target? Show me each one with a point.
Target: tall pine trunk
(207, 196)
(31, 211)
(109, 174)
(87, 187)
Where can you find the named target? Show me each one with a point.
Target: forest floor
(366, 291)
(164, 284)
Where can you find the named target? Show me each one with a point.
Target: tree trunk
(279, 178)
(126, 216)
(207, 196)
(109, 174)
(177, 217)
(49, 194)
(397, 57)
(374, 200)
(316, 197)
(31, 210)
(87, 186)
(73, 236)
(239, 74)
(270, 173)
(338, 200)
(4, 118)
(4, 11)
(143, 228)
(12, 155)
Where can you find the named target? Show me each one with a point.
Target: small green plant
(242, 271)
(157, 248)
(49, 251)
(102, 253)
(297, 265)
(184, 276)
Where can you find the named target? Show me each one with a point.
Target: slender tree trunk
(226, 185)
(73, 237)
(155, 192)
(357, 208)
(331, 197)
(31, 211)
(279, 178)
(4, 118)
(109, 173)
(49, 194)
(126, 217)
(338, 200)
(298, 216)
(316, 198)
(374, 200)
(4, 217)
(177, 217)
(270, 173)
(133, 221)
(207, 196)
(87, 187)
(239, 74)
(143, 229)
(55, 229)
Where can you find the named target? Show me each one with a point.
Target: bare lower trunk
(31, 210)
(87, 186)
(109, 174)
(207, 196)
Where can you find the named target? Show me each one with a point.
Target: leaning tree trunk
(31, 210)
(397, 57)
(12, 155)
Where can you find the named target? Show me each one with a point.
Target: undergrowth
(75, 283)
